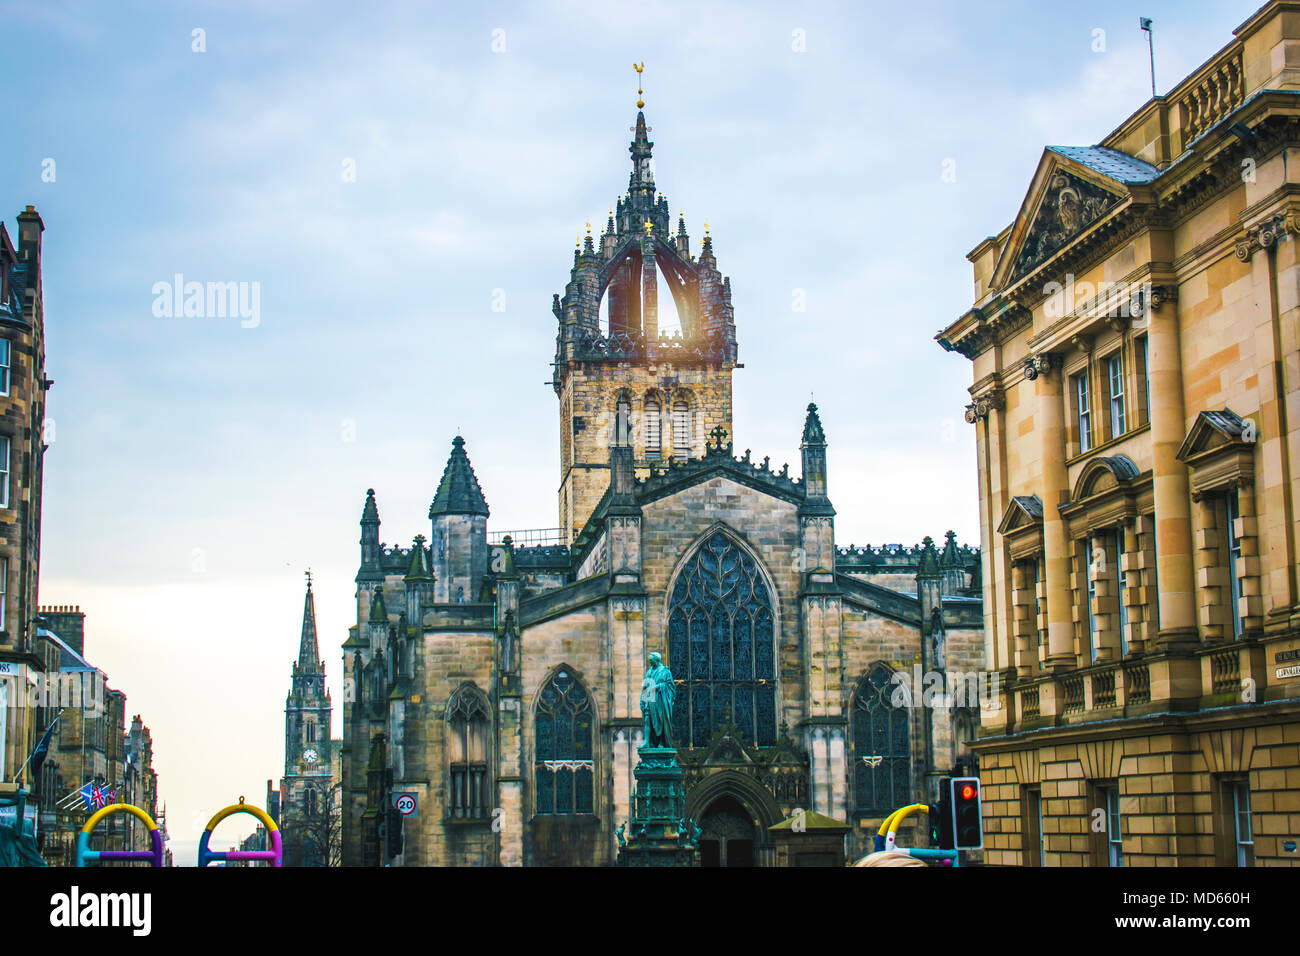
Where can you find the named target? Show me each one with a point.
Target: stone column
(508, 815)
(1024, 621)
(1172, 505)
(839, 775)
(1050, 424)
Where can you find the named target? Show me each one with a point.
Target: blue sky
(198, 467)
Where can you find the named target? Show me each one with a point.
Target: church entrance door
(728, 834)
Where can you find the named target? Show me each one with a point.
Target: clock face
(310, 755)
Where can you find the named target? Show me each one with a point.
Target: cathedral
(493, 684)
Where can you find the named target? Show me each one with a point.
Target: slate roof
(1118, 166)
(458, 492)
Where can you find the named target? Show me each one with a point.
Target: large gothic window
(468, 724)
(564, 768)
(881, 754)
(720, 644)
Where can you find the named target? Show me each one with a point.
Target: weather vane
(308, 574)
(639, 67)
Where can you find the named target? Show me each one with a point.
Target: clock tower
(305, 790)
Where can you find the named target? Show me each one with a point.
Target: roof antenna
(1145, 24)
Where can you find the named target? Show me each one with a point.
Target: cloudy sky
(199, 465)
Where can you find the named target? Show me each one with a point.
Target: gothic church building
(494, 685)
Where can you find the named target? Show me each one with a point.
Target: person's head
(655, 659)
(889, 858)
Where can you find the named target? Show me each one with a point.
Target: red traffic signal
(967, 820)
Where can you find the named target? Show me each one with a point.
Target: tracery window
(468, 728)
(564, 768)
(720, 645)
(881, 754)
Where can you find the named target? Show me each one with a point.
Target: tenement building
(494, 678)
(25, 660)
(1136, 356)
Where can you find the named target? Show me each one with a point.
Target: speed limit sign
(406, 804)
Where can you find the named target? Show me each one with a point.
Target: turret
(419, 584)
(370, 570)
(950, 563)
(816, 516)
(929, 586)
(459, 544)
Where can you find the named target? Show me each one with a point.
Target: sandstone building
(494, 682)
(1136, 357)
(24, 659)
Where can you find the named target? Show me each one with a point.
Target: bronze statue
(657, 694)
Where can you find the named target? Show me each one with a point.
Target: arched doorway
(728, 834)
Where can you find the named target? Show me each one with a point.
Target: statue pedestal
(658, 833)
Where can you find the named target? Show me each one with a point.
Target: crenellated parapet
(673, 474)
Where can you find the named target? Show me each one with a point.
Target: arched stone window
(881, 753)
(653, 429)
(623, 420)
(681, 429)
(469, 723)
(721, 639)
(564, 768)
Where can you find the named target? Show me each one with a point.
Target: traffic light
(941, 817)
(392, 832)
(967, 824)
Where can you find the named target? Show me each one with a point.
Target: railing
(530, 537)
(1073, 689)
(1029, 703)
(1208, 97)
(1225, 671)
(1103, 689)
(1137, 684)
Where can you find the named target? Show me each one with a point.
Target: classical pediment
(1025, 511)
(1073, 189)
(1219, 452)
(1104, 474)
(1212, 431)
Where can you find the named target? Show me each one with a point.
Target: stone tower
(621, 375)
(308, 754)
(459, 544)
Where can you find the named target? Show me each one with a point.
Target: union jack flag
(98, 796)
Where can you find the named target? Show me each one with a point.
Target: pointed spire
(418, 569)
(950, 557)
(458, 492)
(928, 567)
(378, 613)
(308, 650)
(812, 427)
(370, 510)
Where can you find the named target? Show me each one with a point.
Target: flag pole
(44, 740)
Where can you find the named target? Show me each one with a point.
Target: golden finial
(639, 67)
(648, 226)
(577, 242)
(589, 229)
(706, 228)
